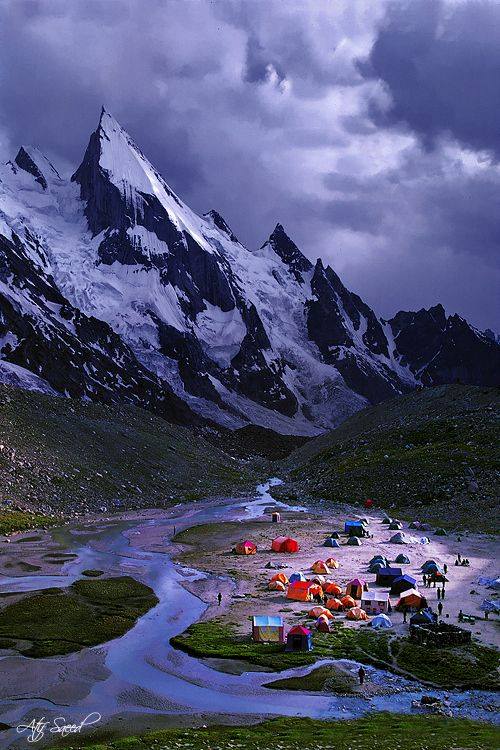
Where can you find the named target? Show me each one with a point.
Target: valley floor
(139, 682)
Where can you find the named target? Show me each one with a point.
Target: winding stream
(142, 662)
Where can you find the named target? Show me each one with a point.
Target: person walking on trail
(425, 581)
(443, 592)
(361, 675)
(459, 558)
(460, 616)
(219, 597)
(405, 613)
(445, 568)
(439, 594)
(440, 608)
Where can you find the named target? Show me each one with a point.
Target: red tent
(246, 548)
(285, 544)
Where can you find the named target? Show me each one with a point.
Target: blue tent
(354, 528)
(381, 621)
(386, 576)
(378, 558)
(431, 566)
(403, 583)
(330, 542)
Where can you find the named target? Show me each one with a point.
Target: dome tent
(320, 567)
(375, 567)
(331, 542)
(245, 548)
(285, 544)
(332, 563)
(403, 583)
(356, 613)
(441, 532)
(332, 588)
(402, 559)
(395, 525)
(399, 538)
(381, 621)
(276, 586)
(354, 541)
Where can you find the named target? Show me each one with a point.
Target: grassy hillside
(431, 455)
(65, 455)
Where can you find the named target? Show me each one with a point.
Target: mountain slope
(113, 289)
(432, 455)
(65, 455)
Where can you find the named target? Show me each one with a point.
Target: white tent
(381, 621)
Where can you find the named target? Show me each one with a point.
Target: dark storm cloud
(263, 111)
(441, 65)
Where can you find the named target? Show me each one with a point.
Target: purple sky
(369, 129)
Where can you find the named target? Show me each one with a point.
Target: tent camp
(402, 559)
(285, 544)
(356, 613)
(411, 599)
(403, 583)
(332, 588)
(354, 541)
(423, 617)
(276, 586)
(268, 629)
(348, 602)
(297, 576)
(330, 542)
(246, 548)
(334, 604)
(355, 588)
(386, 576)
(332, 563)
(375, 602)
(303, 591)
(355, 528)
(381, 621)
(299, 639)
(280, 577)
(320, 567)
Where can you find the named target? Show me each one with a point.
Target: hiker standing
(440, 608)
(445, 568)
(405, 613)
(425, 581)
(460, 616)
(439, 594)
(459, 558)
(361, 675)
(219, 597)
(443, 592)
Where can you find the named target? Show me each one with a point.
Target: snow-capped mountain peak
(111, 287)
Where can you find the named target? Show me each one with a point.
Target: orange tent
(332, 563)
(280, 577)
(356, 613)
(334, 604)
(332, 588)
(318, 611)
(322, 624)
(276, 586)
(411, 599)
(320, 567)
(303, 591)
(285, 544)
(246, 548)
(348, 602)
(320, 580)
